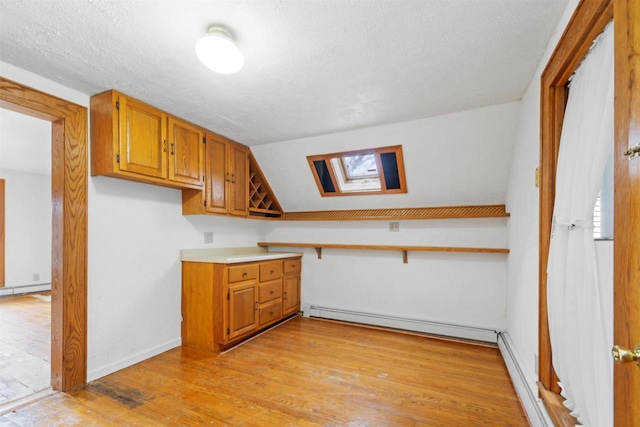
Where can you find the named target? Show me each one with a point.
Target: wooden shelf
(404, 249)
(438, 212)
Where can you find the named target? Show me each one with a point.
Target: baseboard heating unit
(534, 408)
(409, 324)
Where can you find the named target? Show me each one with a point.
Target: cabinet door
(143, 138)
(291, 294)
(243, 309)
(217, 176)
(185, 152)
(239, 180)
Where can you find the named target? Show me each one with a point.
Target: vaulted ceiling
(311, 67)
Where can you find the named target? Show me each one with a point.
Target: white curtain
(579, 337)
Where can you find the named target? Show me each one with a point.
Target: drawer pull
(271, 292)
(271, 312)
(272, 271)
(244, 273)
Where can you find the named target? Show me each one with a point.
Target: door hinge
(204, 139)
(205, 203)
(117, 158)
(117, 105)
(228, 331)
(228, 296)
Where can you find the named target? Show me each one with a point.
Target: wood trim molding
(560, 415)
(443, 212)
(588, 21)
(69, 238)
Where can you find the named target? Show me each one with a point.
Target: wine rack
(262, 201)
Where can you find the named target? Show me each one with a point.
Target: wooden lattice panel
(444, 212)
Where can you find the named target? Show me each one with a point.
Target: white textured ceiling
(25, 143)
(311, 67)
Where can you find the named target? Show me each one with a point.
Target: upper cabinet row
(135, 141)
(132, 140)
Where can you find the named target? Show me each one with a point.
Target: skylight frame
(328, 177)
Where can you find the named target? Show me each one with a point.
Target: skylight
(373, 171)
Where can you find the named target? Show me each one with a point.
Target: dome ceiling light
(219, 52)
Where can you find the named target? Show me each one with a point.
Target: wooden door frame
(69, 227)
(588, 21)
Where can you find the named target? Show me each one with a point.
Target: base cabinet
(225, 303)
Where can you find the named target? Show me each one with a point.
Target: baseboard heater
(533, 407)
(409, 324)
(25, 289)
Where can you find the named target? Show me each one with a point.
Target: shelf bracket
(319, 252)
(404, 257)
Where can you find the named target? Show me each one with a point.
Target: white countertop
(233, 255)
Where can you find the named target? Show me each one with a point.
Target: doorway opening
(69, 227)
(25, 254)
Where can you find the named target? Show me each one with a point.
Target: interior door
(627, 209)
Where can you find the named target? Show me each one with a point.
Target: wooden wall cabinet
(225, 303)
(226, 180)
(135, 141)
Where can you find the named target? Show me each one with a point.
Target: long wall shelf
(440, 212)
(404, 249)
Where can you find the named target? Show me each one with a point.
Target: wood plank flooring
(25, 345)
(302, 373)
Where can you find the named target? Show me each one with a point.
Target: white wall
(453, 159)
(27, 227)
(135, 234)
(458, 288)
(523, 203)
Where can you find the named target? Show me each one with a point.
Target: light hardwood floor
(301, 373)
(25, 345)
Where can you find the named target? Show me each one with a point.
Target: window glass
(361, 166)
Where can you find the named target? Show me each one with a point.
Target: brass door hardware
(633, 152)
(624, 355)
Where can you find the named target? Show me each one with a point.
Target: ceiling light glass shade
(218, 52)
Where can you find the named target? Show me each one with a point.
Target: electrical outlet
(208, 236)
(36, 277)
(394, 226)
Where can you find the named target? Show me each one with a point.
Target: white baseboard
(26, 289)
(533, 406)
(132, 360)
(409, 324)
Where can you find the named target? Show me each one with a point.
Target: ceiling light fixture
(218, 51)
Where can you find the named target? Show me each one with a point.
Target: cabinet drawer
(270, 313)
(270, 270)
(269, 291)
(243, 272)
(291, 265)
